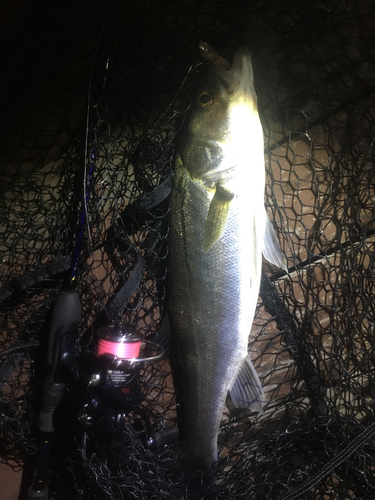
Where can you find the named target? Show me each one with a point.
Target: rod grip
(65, 322)
(52, 395)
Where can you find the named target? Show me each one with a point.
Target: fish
(218, 230)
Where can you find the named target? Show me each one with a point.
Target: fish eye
(205, 99)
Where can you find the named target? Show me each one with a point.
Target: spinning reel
(113, 387)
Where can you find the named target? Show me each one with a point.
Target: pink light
(123, 350)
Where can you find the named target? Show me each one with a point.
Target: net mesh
(94, 97)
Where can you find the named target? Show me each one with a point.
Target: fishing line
(122, 350)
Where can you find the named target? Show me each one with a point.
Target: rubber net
(94, 96)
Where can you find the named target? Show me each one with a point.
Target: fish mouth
(236, 77)
(211, 55)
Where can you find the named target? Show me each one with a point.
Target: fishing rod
(64, 328)
(66, 316)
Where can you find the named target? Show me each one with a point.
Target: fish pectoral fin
(217, 216)
(247, 390)
(271, 247)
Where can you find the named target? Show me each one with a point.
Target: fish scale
(214, 288)
(210, 303)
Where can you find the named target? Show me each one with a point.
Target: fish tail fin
(190, 460)
(247, 390)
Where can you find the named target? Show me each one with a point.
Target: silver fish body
(217, 226)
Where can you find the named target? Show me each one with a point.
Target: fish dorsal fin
(217, 216)
(247, 390)
(271, 248)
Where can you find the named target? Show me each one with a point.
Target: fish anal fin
(217, 216)
(247, 390)
(271, 247)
